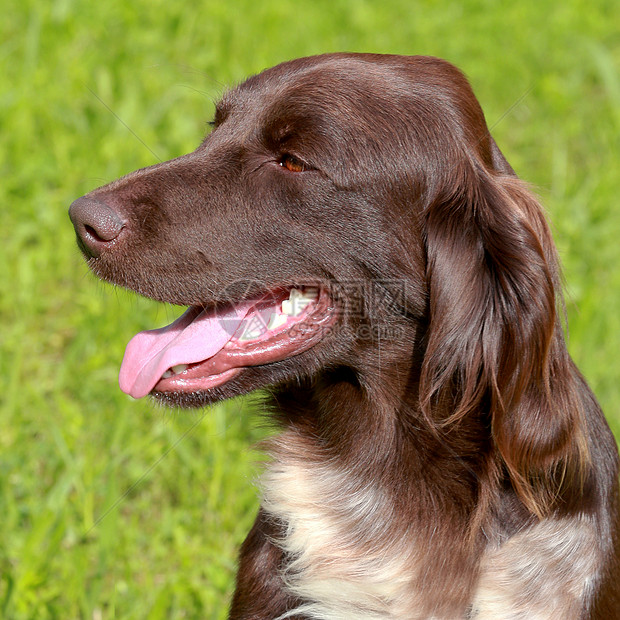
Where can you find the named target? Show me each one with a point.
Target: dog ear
(495, 347)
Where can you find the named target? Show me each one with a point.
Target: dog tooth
(298, 300)
(276, 320)
(179, 368)
(167, 374)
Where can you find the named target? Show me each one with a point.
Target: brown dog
(351, 235)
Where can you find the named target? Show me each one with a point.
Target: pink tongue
(195, 336)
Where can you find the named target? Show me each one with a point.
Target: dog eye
(294, 164)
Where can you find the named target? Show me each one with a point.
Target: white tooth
(276, 320)
(167, 374)
(298, 300)
(179, 368)
(287, 307)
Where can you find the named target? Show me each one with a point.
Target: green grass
(113, 508)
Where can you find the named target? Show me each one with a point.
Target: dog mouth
(208, 346)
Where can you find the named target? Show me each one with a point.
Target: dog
(350, 238)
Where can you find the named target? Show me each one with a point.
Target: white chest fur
(341, 565)
(331, 533)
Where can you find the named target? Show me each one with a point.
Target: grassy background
(113, 508)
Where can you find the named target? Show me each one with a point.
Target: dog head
(368, 191)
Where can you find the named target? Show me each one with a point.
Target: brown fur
(441, 455)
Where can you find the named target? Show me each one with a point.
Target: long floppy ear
(495, 347)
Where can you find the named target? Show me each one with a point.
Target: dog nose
(96, 225)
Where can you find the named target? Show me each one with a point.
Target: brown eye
(292, 163)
